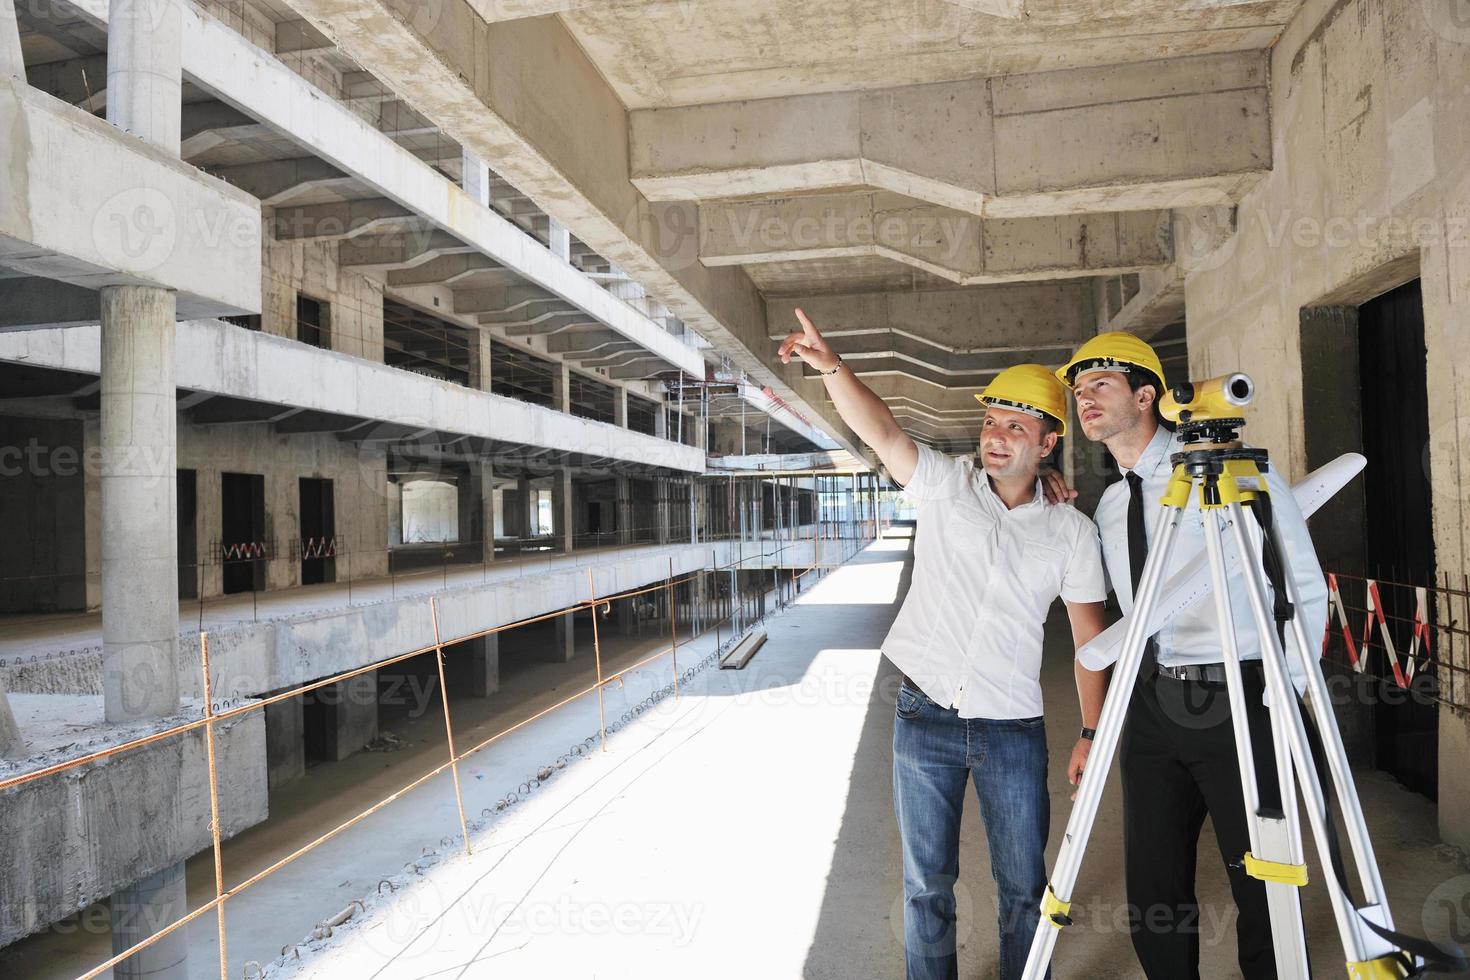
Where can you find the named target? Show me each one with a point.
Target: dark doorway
(1398, 530)
(318, 532)
(188, 513)
(243, 548)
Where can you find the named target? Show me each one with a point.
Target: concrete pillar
(11, 62)
(285, 742)
(140, 605)
(625, 510)
(486, 373)
(564, 389)
(620, 407)
(143, 70)
(564, 641)
(352, 715)
(487, 509)
(526, 511)
(562, 506)
(561, 240)
(483, 657)
(139, 911)
(476, 179)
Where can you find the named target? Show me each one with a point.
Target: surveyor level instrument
(1228, 477)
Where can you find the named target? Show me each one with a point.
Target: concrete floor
(744, 830)
(283, 908)
(40, 634)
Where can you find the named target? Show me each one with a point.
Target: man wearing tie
(1177, 750)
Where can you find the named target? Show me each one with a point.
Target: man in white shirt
(1177, 751)
(991, 554)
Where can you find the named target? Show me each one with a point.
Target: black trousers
(1178, 764)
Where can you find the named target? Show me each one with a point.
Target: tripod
(1228, 478)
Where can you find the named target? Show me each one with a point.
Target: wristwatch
(835, 368)
(1088, 733)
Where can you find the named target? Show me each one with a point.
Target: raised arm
(855, 401)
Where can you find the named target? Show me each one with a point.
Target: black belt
(1203, 673)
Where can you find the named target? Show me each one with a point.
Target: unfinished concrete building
(312, 310)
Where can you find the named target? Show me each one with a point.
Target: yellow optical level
(1217, 398)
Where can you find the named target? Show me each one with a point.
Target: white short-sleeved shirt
(1193, 636)
(970, 629)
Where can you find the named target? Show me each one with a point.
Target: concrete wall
(73, 839)
(359, 476)
(355, 301)
(1370, 188)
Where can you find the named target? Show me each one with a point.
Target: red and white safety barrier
(1421, 629)
(1375, 611)
(1336, 608)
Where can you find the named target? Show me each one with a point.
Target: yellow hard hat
(1112, 351)
(1028, 388)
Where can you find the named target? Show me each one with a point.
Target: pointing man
(1177, 750)
(990, 556)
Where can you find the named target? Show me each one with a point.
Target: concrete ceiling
(658, 53)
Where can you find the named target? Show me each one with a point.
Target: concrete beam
(953, 245)
(12, 62)
(274, 181)
(331, 387)
(218, 60)
(1020, 316)
(406, 248)
(443, 269)
(154, 220)
(341, 219)
(293, 36)
(561, 137)
(205, 125)
(1158, 134)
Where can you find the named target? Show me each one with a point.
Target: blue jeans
(935, 751)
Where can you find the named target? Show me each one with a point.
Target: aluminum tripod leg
(1109, 730)
(1319, 703)
(1358, 943)
(1275, 836)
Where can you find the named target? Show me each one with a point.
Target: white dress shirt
(969, 631)
(1193, 636)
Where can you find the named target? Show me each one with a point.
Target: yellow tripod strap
(1054, 910)
(1282, 874)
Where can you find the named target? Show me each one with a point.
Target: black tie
(1137, 555)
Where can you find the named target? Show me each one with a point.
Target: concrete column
(564, 642)
(483, 658)
(625, 510)
(285, 742)
(143, 70)
(352, 715)
(620, 407)
(526, 523)
(140, 605)
(476, 179)
(564, 388)
(139, 911)
(471, 508)
(11, 62)
(486, 374)
(487, 509)
(561, 240)
(562, 505)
